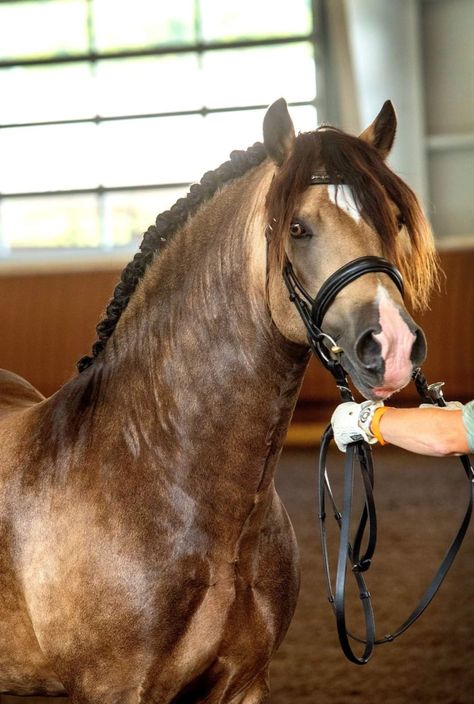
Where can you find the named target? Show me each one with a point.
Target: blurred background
(109, 109)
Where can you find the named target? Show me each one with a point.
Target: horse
(145, 555)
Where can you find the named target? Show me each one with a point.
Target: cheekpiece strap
(312, 310)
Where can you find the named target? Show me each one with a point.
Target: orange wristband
(374, 426)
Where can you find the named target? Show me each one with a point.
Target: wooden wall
(47, 323)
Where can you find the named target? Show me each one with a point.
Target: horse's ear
(381, 133)
(278, 132)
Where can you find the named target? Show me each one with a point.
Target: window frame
(17, 258)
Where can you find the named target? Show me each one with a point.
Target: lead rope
(349, 555)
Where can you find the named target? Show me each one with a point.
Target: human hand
(351, 422)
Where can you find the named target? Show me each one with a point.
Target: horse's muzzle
(384, 364)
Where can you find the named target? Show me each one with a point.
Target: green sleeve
(468, 418)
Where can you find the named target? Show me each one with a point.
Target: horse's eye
(401, 222)
(298, 230)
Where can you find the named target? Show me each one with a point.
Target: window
(110, 109)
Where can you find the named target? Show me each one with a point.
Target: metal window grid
(317, 38)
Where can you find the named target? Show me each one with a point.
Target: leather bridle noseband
(312, 312)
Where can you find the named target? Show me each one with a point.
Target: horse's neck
(196, 366)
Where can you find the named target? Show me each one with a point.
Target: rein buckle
(362, 565)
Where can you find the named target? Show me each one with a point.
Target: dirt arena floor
(420, 502)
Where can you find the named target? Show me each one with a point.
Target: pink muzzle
(396, 342)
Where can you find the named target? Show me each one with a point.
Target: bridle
(312, 312)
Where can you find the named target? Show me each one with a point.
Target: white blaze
(343, 197)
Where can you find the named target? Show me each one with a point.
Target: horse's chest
(235, 621)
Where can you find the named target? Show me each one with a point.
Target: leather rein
(359, 453)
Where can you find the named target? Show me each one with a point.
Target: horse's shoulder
(16, 393)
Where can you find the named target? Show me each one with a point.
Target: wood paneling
(47, 322)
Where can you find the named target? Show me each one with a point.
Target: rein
(350, 553)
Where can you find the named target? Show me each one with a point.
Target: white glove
(450, 406)
(351, 422)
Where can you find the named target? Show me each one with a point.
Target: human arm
(429, 431)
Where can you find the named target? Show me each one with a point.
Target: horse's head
(333, 199)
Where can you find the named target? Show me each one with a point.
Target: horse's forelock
(346, 159)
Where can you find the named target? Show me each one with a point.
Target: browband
(322, 178)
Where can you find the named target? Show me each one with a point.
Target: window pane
(225, 132)
(48, 158)
(129, 214)
(305, 118)
(34, 94)
(141, 23)
(151, 150)
(259, 76)
(47, 28)
(148, 85)
(52, 221)
(131, 152)
(247, 19)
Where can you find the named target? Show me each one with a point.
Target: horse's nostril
(368, 350)
(418, 351)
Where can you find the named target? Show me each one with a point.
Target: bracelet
(375, 424)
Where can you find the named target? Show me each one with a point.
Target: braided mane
(157, 235)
